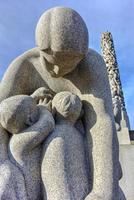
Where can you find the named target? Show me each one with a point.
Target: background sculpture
(62, 62)
(109, 55)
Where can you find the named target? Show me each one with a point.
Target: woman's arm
(19, 77)
(103, 153)
(101, 132)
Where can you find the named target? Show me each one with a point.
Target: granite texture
(58, 22)
(62, 62)
(12, 185)
(64, 166)
(30, 124)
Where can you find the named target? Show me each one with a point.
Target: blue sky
(18, 20)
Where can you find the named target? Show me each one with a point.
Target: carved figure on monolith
(119, 108)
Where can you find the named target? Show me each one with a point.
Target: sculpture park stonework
(125, 134)
(57, 124)
(120, 113)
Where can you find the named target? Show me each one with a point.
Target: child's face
(17, 113)
(24, 119)
(16, 125)
(28, 119)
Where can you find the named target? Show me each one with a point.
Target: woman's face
(59, 64)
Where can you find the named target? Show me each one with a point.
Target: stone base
(127, 163)
(123, 137)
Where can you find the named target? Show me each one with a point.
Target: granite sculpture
(30, 124)
(12, 185)
(62, 62)
(64, 165)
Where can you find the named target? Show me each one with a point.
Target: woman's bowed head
(67, 42)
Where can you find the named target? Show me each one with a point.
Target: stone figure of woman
(62, 61)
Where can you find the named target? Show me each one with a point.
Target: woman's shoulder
(95, 61)
(27, 56)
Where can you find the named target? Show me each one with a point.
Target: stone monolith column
(109, 55)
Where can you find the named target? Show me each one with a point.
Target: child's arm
(30, 138)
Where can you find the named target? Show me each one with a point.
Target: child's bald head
(67, 105)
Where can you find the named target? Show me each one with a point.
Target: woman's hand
(42, 94)
(46, 103)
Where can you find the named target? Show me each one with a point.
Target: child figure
(63, 171)
(30, 124)
(12, 184)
